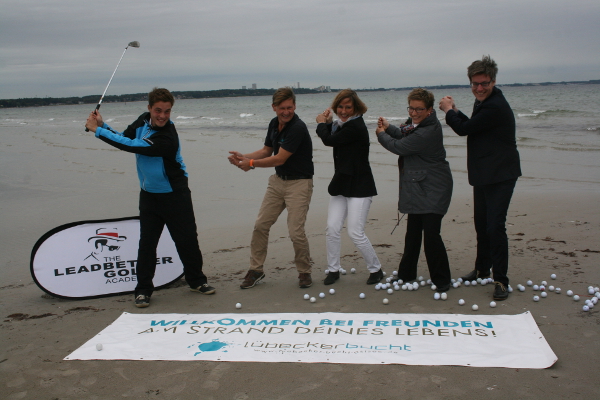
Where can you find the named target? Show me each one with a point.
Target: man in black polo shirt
(288, 148)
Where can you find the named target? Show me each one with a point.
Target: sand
(46, 184)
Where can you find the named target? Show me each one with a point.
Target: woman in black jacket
(352, 187)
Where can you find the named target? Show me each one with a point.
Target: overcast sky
(58, 48)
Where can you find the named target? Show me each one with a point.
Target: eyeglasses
(416, 110)
(484, 85)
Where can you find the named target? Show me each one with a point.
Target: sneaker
(375, 277)
(500, 291)
(251, 279)
(204, 289)
(473, 275)
(305, 280)
(142, 301)
(331, 278)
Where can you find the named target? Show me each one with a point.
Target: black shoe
(375, 277)
(473, 275)
(204, 289)
(443, 288)
(142, 301)
(251, 279)
(500, 292)
(331, 278)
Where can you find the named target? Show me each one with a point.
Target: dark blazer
(492, 154)
(353, 176)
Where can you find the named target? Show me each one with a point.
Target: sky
(61, 48)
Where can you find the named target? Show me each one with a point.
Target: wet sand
(49, 179)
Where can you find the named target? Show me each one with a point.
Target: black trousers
(175, 210)
(427, 226)
(490, 207)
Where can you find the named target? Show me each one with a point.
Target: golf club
(131, 44)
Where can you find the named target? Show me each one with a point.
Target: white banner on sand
(511, 341)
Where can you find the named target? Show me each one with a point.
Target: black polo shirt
(293, 138)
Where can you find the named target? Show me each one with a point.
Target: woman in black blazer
(352, 187)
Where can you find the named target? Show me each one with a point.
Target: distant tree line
(202, 94)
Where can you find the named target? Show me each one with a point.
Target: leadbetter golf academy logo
(98, 258)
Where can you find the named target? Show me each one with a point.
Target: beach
(53, 173)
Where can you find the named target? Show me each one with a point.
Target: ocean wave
(50, 119)
(592, 128)
(244, 115)
(211, 118)
(539, 111)
(110, 120)
(527, 115)
(184, 117)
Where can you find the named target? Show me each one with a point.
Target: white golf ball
(461, 302)
(322, 295)
(510, 289)
(400, 281)
(597, 295)
(594, 300)
(362, 295)
(238, 305)
(306, 297)
(586, 308)
(544, 294)
(331, 291)
(529, 283)
(352, 270)
(553, 276)
(557, 290)
(390, 291)
(421, 278)
(569, 293)
(396, 287)
(388, 285)
(415, 285)
(467, 283)
(536, 298)
(484, 282)
(536, 287)
(343, 271)
(388, 279)
(312, 299)
(433, 287)
(409, 287)
(385, 301)
(395, 273)
(444, 296)
(479, 280)
(473, 283)
(326, 271)
(597, 289)
(474, 307)
(576, 298)
(404, 287)
(459, 280)
(436, 296)
(544, 283)
(591, 291)
(384, 274)
(551, 288)
(493, 304)
(521, 288)
(429, 281)
(423, 283)
(378, 286)
(455, 285)
(99, 346)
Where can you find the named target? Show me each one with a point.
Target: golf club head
(134, 44)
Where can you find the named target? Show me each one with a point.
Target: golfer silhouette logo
(105, 239)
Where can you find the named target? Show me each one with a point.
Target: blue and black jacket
(160, 166)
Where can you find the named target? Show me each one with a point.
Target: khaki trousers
(295, 197)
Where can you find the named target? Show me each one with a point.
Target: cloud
(70, 48)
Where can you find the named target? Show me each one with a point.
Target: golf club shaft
(109, 81)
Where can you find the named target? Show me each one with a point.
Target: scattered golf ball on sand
(352, 270)
(474, 307)
(362, 295)
(586, 308)
(322, 295)
(553, 276)
(576, 298)
(444, 296)
(544, 294)
(493, 304)
(569, 293)
(536, 298)
(306, 297)
(436, 296)
(312, 299)
(390, 291)
(331, 291)
(461, 302)
(238, 305)
(385, 301)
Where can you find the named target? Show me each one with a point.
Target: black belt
(294, 177)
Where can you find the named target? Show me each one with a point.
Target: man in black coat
(493, 165)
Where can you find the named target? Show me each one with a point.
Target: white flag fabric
(510, 341)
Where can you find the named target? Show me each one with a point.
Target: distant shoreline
(203, 94)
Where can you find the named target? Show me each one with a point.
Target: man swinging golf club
(165, 198)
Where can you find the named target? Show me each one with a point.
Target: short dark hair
(359, 106)
(283, 94)
(160, 94)
(485, 66)
(423, 95)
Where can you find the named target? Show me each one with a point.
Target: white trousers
(356, 210)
